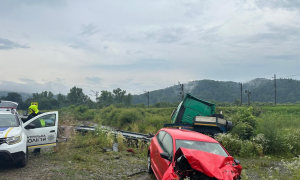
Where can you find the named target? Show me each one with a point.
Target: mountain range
(262, 90)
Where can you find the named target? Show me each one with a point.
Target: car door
(154, 153)
(166, 146)
(45, 132)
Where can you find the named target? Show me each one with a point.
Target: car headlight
(13, 140)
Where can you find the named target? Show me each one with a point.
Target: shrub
(236, 146)
(244, 123)
(230, 142)
(129, 116)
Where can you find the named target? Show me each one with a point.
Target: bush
(129, 116)
(243, 130)
(244, 123)
(236, 146)
(230, 142)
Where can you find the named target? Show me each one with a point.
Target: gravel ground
(73, 164)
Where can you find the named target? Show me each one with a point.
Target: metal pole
(241, 94)
(275, 86)
(182, 95)
(248, 98)
(148, 99)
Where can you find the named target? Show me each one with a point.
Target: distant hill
(24, 95)
(262, 90)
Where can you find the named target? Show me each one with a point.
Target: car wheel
(24, 160)
(149, 168)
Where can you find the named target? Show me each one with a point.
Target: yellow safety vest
(43, 123)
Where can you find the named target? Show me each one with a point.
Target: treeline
(48, 101)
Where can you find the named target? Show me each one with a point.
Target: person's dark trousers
(37, 151)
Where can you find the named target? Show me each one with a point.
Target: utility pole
(248, 92)
(275, 87)
(181, 92)
(95, 94)
(241, 84)
(147, 95)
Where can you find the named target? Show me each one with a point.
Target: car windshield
(8, 120)
(214, 148)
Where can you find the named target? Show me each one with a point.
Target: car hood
(212, 165)
(9, 131)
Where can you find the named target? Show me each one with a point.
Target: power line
(241, 84)
(275, 88)
(181, 92)
(291, 75)
(248, 92)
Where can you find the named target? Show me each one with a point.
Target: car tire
(24, 160)
(149, 168)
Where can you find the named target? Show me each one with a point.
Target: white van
(17, 137)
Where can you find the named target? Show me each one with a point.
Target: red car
(180, 154)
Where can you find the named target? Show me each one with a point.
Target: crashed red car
(180, 154)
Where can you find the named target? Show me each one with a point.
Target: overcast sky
(144, 44)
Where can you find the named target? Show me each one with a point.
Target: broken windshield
(214, 148)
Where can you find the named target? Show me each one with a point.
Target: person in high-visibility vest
(33, 111)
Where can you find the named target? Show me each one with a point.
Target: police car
(17, 137)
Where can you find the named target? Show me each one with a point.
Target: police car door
(44, 132)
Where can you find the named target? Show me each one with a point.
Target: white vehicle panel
(41, 137)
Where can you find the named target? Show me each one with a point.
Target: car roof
(188, 135)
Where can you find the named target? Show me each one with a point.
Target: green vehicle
(198, 115)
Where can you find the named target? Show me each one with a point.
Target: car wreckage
(184, 154)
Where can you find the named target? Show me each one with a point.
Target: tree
(15, 97)
(106, 98)
(128, 100)
(61, 98)
(76, 96)
(119, 95)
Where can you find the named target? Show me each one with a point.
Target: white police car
(17, 137)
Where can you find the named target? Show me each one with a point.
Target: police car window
(8, 120)
(45, 121)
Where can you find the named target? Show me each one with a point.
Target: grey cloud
(142, 65)
(93, 80)
(210, 34)
(167, 35)
(59, 80)
(8, 44)
(89, 30)
(276, 34)
(27, 80)
(75, 46)
(283, 57)
(124, 84)
(105, 47)
(32, 86)
(285, 4)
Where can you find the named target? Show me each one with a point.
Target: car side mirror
(237, 161)
(165, 156)
(30, 126)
